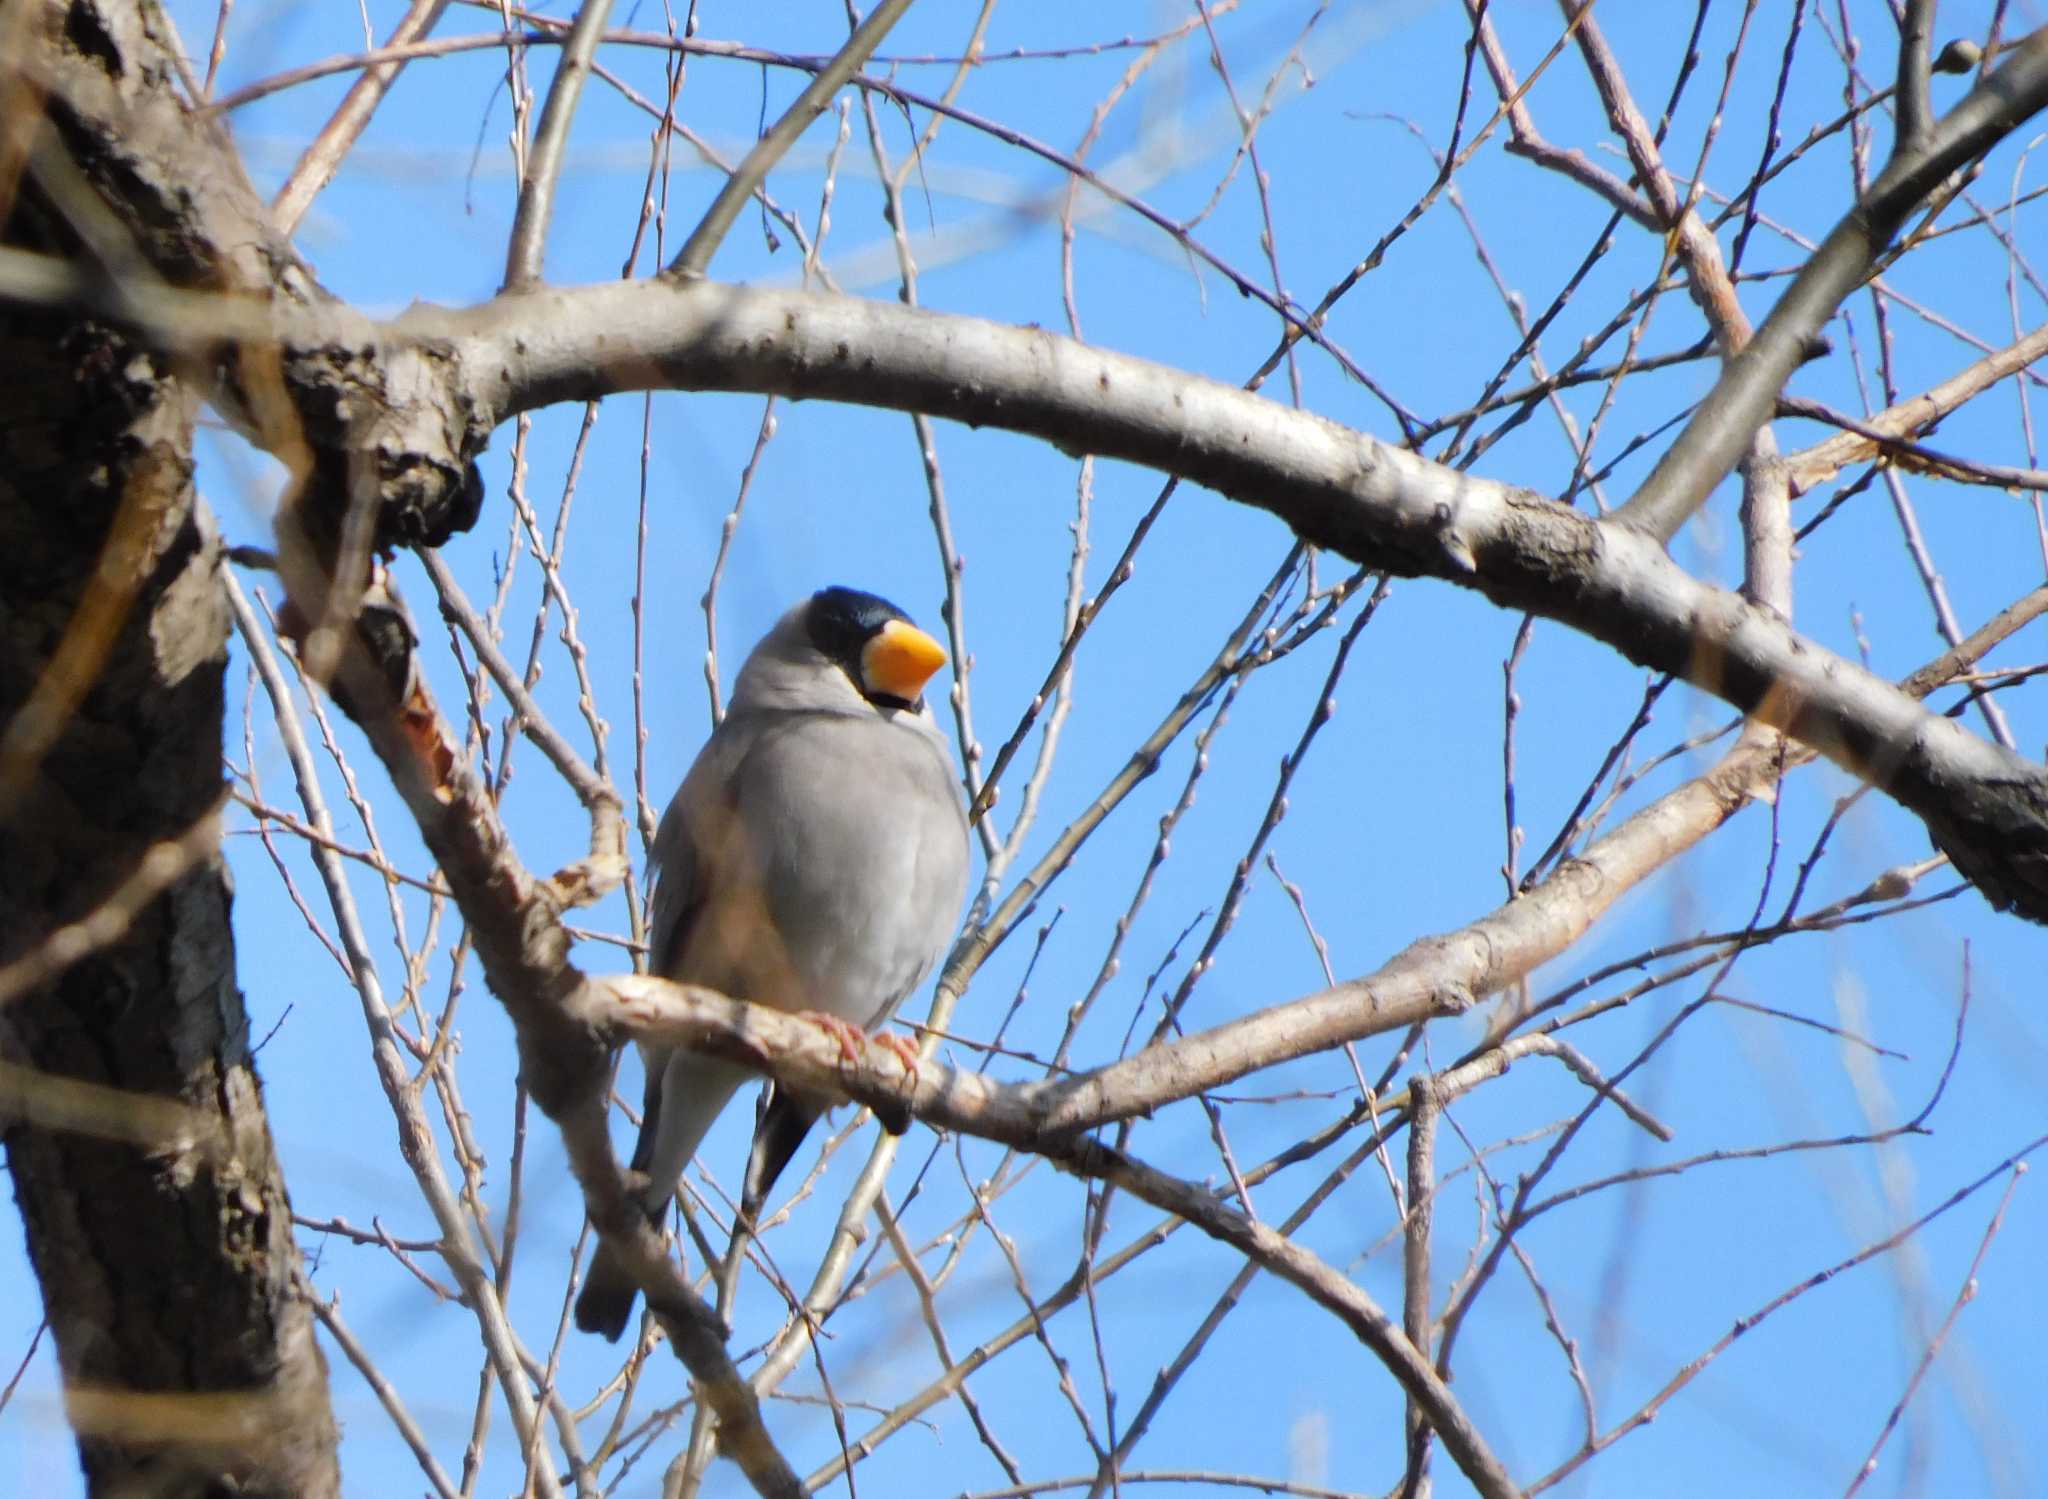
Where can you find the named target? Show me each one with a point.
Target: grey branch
(1341, 489)
(550, 142)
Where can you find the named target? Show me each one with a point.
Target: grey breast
(856, 829)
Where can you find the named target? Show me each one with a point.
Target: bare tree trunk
(153, 1204)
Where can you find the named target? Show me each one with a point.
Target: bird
(813, 860)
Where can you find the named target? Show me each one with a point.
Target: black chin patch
(840, 621)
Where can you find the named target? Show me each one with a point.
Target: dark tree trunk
(153, 1205)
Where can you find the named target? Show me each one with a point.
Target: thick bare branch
(1338, 488)
(1335, 487)
(1436, 976)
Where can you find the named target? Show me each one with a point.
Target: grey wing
(678, 895)
(684, 877)
(682, 886)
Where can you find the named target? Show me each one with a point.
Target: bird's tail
(692, 1092)
(606, 1300)
(780, 1130)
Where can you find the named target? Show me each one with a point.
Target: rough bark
(167, 1268)
(155, 201)
(152, 1201)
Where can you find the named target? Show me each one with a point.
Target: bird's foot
(901, 1046)
(851, 1038)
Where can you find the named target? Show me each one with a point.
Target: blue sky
(1395, 822)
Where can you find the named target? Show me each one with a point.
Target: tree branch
(704, 240)
(1915, 104)
(803, 1055)
(320, 160)
(550, 143)
(1742, 398)
(1341, 489)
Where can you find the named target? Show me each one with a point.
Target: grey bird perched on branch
(814, 859)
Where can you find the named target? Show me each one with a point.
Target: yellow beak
(899, 660)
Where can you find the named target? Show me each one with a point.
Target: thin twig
(694, 258)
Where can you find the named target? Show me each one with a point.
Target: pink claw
(851, 1038)
(902, 1046)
